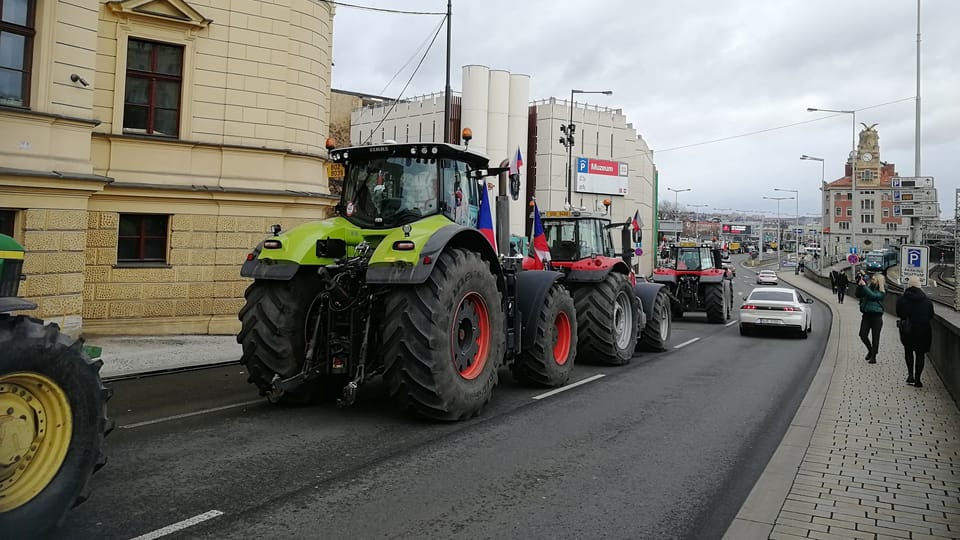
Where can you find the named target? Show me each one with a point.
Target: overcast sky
(691, 71)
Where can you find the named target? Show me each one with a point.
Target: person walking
(833, 281)
(842, 283)
(871, 295)
(915, 311)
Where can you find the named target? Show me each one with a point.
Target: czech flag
(485, 219)
(516, 161)
(541, 250)
(636, 223)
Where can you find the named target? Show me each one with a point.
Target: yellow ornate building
(147, 145)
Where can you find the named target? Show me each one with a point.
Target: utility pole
(446, 96)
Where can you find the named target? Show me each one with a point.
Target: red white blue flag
(541, 250)
(516, 161)
(485, 219)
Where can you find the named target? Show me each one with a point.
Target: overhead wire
(412, 75)
(407, 63)
(382, 10)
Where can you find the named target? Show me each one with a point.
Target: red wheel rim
(561, 348)
(471, 336)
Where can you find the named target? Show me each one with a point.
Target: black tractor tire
(598, 304)
(46, 379)
(274, 334)
(656, 334)
(443, 340)
(714, 302)
(549, 362)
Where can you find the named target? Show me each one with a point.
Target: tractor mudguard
(453, 235)
(647, 292)
(712, 278)
(532, 289)
(588, 271)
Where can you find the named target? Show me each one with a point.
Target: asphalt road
(666, 447)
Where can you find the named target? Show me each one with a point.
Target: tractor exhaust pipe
(503, 209)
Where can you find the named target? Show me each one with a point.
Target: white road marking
(569, 386)
(189, 414)
(731, 323)
(180, 525)
(685, 343)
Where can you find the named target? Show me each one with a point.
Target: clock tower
(868, 157)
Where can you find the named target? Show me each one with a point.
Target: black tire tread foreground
(596, 333)
(714, 302)
(652, 336)
(273, 335)
(29, 346)
(537, 365)
(418, 339)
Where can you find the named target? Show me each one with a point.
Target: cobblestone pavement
(878, 459)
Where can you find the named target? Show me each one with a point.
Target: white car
(767, 277)
(776, 308)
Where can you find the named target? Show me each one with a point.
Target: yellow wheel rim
(35, 430)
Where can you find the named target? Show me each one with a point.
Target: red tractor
(617, 314)
(697, 281)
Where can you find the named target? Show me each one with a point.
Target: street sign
(911, 182)
(914, 263)
(335, 170)
(927, 210)
(852, 259)
(914, 195)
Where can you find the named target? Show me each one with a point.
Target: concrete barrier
(945, 348)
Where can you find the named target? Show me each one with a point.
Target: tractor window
(388, 192)
(706, 259)
(591, 238)
(461, 195)
(688, 259)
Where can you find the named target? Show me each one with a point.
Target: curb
(758, 514)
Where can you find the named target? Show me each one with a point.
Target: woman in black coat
(915, 311)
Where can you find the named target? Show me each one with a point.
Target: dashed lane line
(569, 386)
(189, 414)
(685, 343)
(180, 525)
(731, 323)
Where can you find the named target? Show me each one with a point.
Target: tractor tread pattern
(418, 367)
(537, 366)
(714, 302)
(650, 337)
(596, 339)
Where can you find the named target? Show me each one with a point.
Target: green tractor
(53, 413)
(401, 283)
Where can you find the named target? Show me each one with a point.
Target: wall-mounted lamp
(76, 78)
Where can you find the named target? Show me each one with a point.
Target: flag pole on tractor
(541, 250)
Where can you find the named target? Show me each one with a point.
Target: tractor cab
(573, 236)
(691, 257)
(391, 185)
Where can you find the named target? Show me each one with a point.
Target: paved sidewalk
(125, 356)
(866, 456)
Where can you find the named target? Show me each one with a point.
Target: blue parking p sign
(914, 263)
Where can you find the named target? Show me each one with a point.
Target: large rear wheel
(714, 302)
(276, 322)
(550, 361)
(443, 341)
(656, 334)
(53, 418)
(606, 320)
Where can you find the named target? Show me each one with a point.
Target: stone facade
(251, 116)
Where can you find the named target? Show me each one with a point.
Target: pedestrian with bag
(841, 286)
(871, 295)
(915, 311)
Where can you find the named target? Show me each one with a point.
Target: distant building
(877, 226)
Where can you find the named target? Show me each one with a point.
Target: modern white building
(609, 160)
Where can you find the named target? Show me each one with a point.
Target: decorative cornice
(169, 11)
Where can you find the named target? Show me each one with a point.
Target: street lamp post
(568, 140)
(823, 213)
(696, 229)
(853, 172)
(676, 206)
(796, 194)
(779, 230)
